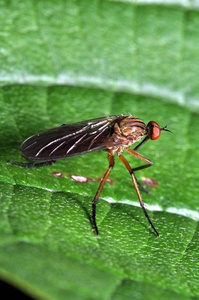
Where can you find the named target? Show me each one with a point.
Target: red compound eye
(155, 130)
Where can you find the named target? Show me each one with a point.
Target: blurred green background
(69, 61)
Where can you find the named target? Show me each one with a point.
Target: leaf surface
(71, 61)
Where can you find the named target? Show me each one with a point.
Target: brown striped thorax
(132, 128)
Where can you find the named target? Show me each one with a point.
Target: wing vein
(93, 140)
(55, 149)
(77, 142)
(61, 138)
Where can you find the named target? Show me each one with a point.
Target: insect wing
(70, 140)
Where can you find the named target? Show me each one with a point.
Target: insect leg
(131, 171)
(141, 186)
(32, 165)
(111, 164)
(149, 163)
(134, 153)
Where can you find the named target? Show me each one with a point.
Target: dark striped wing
(70, 140)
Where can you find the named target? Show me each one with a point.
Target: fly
(113, 134)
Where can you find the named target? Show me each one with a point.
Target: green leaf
(72, 61)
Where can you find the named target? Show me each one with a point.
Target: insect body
(114, 134)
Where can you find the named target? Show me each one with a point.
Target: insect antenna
(164, 128)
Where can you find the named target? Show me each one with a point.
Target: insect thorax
(130, 128)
